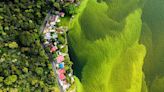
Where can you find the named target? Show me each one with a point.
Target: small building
(66, 86)
(61, 71)
(46, 30)
(54, 18)
(61, 82)
(61, 65)
(60, 58)
(59, 30)
(47, 25)
(62, 76)
(53, 23)
(47, 36)
(52, 30)
(53, 49)
(62, 14)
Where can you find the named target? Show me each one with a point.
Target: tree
(20, 21)
(26, 38)
(39, 70)
(6, 28)
(34, 81)
(61, 39)
(70, 9)
(10, 79)
(25, 69)
(57, 6)
(13, 45)
(1, 79)
(1, 28)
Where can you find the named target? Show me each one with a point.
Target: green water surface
(118, 46)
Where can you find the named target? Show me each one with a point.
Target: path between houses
(63, 87)
(50, 56)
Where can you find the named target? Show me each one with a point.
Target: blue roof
(61, 65)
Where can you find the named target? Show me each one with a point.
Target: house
(47, 36)
(53, 49)
(61, 71)
(54, 19)
(59, 30)
(52, 30)
(61, 65)
(53, 23)
(66, 86)
(47, 25)
(62, 76)
(62, 14)
(64, 82)
(60, 58)
(46, 30)
(61, 82)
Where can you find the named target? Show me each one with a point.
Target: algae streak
(105, 50)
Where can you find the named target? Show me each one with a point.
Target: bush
(25, 69)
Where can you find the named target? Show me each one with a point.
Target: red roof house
(62, 76)
(60, 58)
(61, 71)
(53, 49)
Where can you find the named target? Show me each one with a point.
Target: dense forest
(24, 65)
